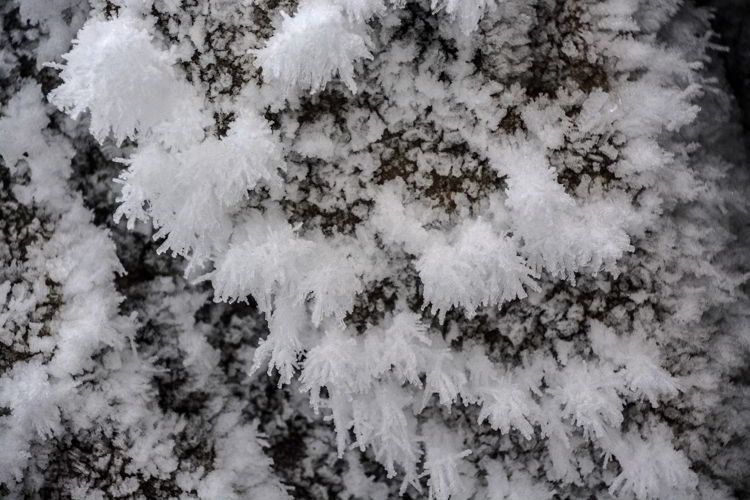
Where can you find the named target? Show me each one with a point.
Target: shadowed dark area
(732, 26)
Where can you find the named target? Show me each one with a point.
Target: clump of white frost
(118, 74)
(312, 47)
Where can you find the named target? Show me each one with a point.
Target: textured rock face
(456, 250)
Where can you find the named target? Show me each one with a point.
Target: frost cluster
(495, 249)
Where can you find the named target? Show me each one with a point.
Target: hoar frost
(491, 242)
